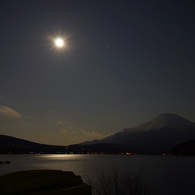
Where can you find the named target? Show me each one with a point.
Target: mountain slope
(155, 136)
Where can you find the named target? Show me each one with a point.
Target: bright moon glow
(59, 42)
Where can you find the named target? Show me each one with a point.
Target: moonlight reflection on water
(169, 174)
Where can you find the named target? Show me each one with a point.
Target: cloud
(66, 131)
(59, 122)
(92, 134)
(85, 134)
(79, 134)
(63, 131)
(6, 111)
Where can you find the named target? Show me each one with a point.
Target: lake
(169, 175)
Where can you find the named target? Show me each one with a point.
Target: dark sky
(125, 62)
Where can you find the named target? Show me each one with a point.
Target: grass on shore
(115, 182)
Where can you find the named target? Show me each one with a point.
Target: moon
(59, 42)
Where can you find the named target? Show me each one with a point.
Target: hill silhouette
(13, 145)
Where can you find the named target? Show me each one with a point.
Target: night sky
(124, 62)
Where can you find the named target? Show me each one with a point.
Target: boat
(7, 162)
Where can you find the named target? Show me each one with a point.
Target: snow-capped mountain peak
(165, 120)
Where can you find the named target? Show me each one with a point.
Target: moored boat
(7, 162)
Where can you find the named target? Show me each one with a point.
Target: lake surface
(169, 175)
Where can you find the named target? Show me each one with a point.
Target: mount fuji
(158, 135)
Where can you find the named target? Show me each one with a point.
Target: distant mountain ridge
(13, 145)
(158, 135)
(163, 134)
